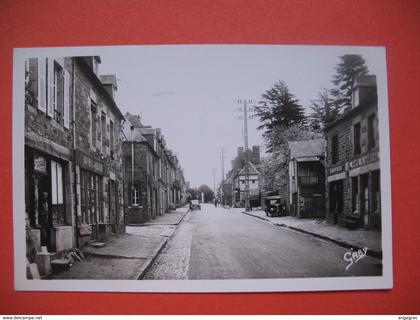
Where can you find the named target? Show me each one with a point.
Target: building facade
(353, 167)
(73, 178)
(154, 181)
(306, 175)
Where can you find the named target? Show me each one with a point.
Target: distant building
(154, 180)
(353, 167)
(306, 178)
(236, 178)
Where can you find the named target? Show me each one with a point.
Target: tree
(278, 108)
(324, 111)
(275, 166)
(208, 193)
(350, 66)
(192, 193)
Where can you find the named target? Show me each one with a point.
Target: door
(112, 205)
(336, 199)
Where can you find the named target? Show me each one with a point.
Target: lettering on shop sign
(40, 164)
(354, 256)
(336, 169)
(364, 160)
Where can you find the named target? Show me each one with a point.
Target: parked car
(275, 206)
(195, 205)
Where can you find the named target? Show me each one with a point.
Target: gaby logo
(353, 256)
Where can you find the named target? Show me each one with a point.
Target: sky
(190, 92)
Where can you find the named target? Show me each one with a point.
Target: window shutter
(66, 106)
(42, 103)
(50, 90)
(33, 71)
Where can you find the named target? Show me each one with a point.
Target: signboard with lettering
(40, 164)
(88, 163)
(369, 158)
(336, 169)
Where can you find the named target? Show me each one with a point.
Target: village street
(219, 243)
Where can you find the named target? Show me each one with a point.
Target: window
(103, 126)
(371, 131)
(57, 193)
(308, 176)
(47, 86)
(356, 139)
(91, 197)
(334, 149)
(135, 199)
(93, 131)
(111, 135)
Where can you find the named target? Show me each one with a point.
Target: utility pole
(247, 106)
(214, 182)
(222, 155)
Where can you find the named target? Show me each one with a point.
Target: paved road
(218, 243)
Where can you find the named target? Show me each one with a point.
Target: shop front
(91, 217)
(47, 181)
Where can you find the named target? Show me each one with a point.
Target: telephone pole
(247, 107)
(222, 155)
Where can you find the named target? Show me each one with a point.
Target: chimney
(109, 82)
(364, 87)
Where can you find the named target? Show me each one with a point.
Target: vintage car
(195, 205)
(275, 206)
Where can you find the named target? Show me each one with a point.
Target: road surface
(218, 243)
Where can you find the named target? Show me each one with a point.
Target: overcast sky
(190, 92)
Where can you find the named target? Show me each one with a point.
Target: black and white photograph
(201, 168)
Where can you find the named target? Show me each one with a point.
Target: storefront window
(91, 197)
(57, 193)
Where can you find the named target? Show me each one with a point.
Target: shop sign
(88, 163)
(40, 164)
(335, 169)
(371, 157)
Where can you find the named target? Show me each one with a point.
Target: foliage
(324, 111)
(349, 67)
(206, 190)
(276, 164)
(278, 108)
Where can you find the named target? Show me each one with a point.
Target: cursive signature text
(353, 256)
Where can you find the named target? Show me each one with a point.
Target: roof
(306, 148)
(89, 72)
(252, 169)
(365, 81)
(109, 79)
(134, 120)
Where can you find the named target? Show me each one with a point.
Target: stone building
(237, 176)
(154, 181)
(98, 153)
(49, 153)
(353, 167)
(73, 178)
(306, 177)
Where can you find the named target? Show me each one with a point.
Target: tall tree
(349, 67)
(278, 108)
(324, 110)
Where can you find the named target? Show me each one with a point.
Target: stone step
(97, 244)
(60, 264)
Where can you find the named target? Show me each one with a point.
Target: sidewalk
(126, 256)
(319, 228)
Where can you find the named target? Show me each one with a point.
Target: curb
(372, 253)
(148, 224)
(140, 274)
